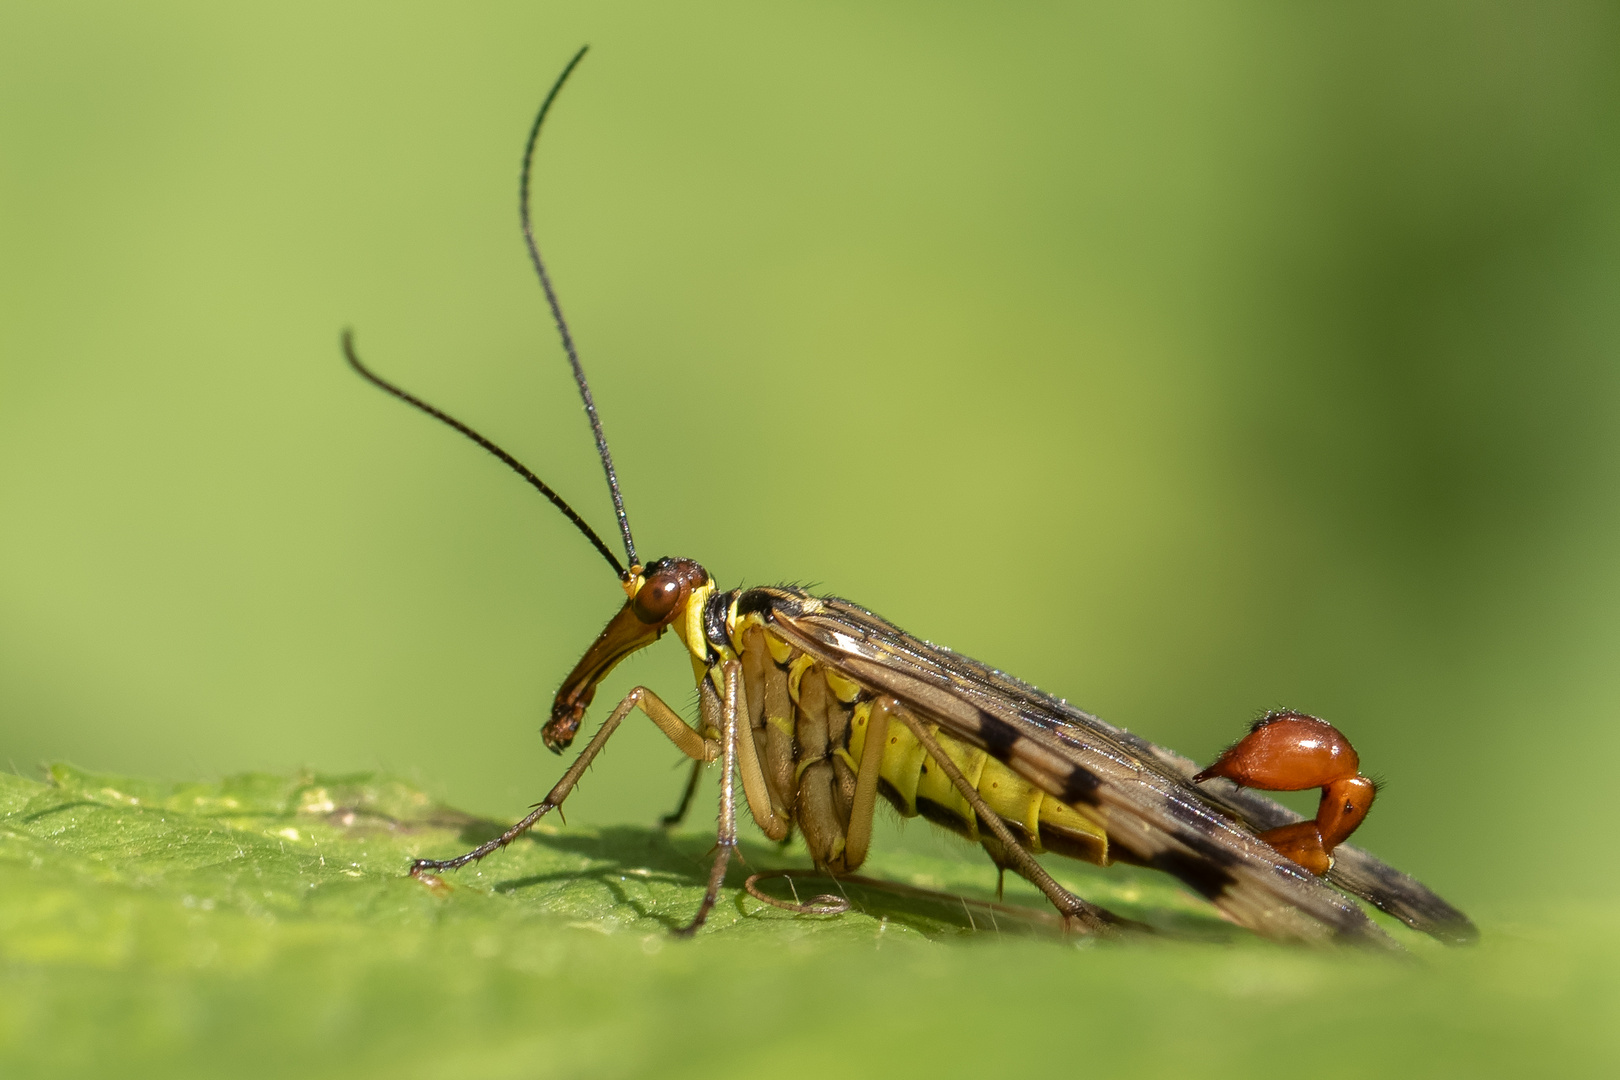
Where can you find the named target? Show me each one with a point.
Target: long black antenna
(511, 462)
(556, 309)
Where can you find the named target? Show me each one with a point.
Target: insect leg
(755, 789)
(726, 835)
(680, 733)
(670, 820)
(1075, 911)
(858, 838)
(825, 904)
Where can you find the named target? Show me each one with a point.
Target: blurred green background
(1186, 360)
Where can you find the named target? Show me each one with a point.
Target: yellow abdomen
(916, 785)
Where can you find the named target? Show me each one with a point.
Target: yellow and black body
(807, 727)
(818, 707)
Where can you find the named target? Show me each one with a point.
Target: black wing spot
(1206, 848)
(1202, 875)
(1081, 786)
(998, 735)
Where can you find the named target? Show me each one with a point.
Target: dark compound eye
(656, 599)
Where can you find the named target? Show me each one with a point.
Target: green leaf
(264, 925)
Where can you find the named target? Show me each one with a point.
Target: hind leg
(1077, 914)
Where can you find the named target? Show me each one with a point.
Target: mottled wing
(1354, 870)
(1137, 791)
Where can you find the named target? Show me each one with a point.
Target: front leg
(689, 742)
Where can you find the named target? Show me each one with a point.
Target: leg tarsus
(481, 850)
(825, 904)
(711, 895)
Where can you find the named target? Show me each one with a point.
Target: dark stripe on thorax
(714, 621)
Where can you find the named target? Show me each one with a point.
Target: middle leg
(858, 831)
(725, 844)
